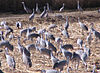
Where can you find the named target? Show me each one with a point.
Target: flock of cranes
(44, 45)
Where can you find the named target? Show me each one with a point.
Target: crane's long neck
(33, 10)
(45, 36)
(94, 67)
(67, 19)
(61, 49)
(63, 5)
(47, 6)
(90, 33)
(6, 51)
(85, 46)
(52, 55)
(36, 5)
(78, 19)
(28, 32)
(2, 37)
(41, 36)
(18, 39)
(19, 44)
(24, 5)
(44, 8)
(78, 6)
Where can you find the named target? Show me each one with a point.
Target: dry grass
(38, 62)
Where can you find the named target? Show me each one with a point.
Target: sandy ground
(74, 30)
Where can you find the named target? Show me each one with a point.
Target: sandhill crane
(79, 52)
(48, 8)
(52, 26)
(78, 6)
(41, 31)
(28, 32)
(87, 50)
(84, 58)
(59, 16)
(26, 8)
(26, 59)
(10, 60)
(42, 42)
(95, 33)
(46, 15)
(60, 64)
(1, 36)
(7, 33)
(62, 8)
(20, 47)
(49, 36)
(83, 26)
(11, 36)
(89, 38)
(3, 23)
(6, 44)
(66, 53)
(1, 33)
(50, 71)
(76, 57)
(65, 33)
(54, 59)
(26, 51)
(66, 24)
(24, 31)
(32, 15)
(8, 28)
(44, 51)
(58, 40)
(31, 47)
(10, 46)
(79, 42)
(3, 43)
(32, 35)
(50, 46)
(43, 13)
(94, 69)
(99, 10)
(67, 46)
(33, 28)
(18, 24)
(37, 8)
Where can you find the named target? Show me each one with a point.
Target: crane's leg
(82, 32)
(85, 65)
(72, 63)
(95, 41)
(77, 65)
(68, 69)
